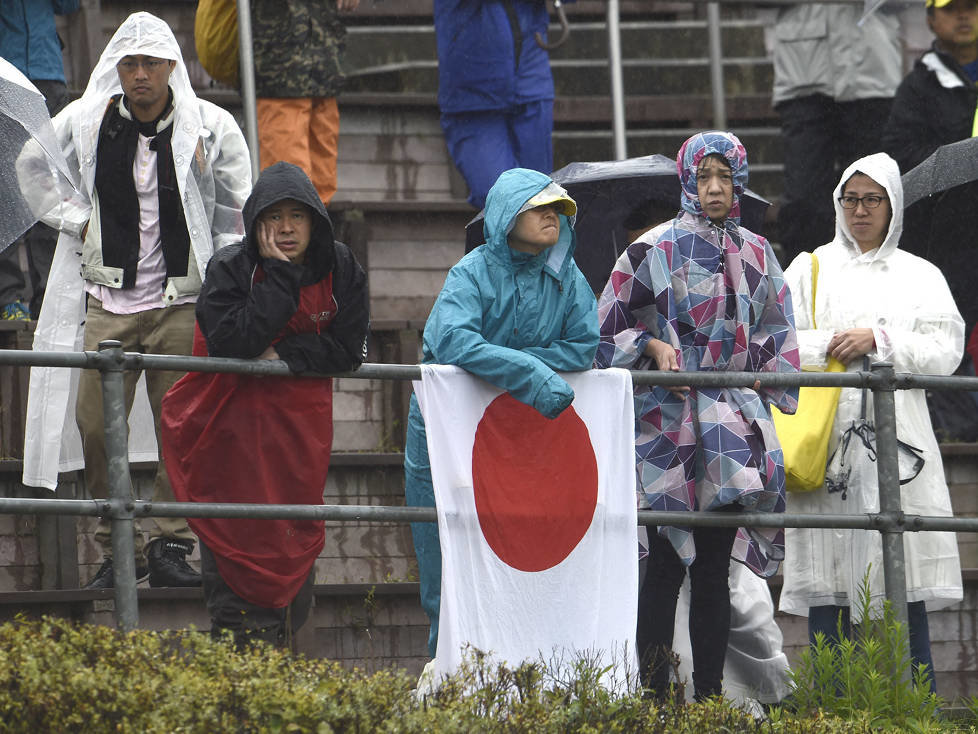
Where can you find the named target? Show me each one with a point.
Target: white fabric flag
(537, 522)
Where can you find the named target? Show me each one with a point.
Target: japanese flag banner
(536, 520)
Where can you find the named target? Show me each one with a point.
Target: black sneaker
(105, 576)
(168, 565)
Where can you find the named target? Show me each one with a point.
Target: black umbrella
(607, 194)
(949, 166)
(34, 178)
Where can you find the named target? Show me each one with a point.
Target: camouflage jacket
(298, 48)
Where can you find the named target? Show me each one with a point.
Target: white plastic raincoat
(214, 177)
(907, 303)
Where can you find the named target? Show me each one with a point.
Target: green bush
(58, 676)
(866, 674)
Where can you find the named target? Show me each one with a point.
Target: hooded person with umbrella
(700, 294)
(873, 299)
(29, 41)
(34, 177)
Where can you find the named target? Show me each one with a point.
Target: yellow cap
(552, 194)
(936, 3)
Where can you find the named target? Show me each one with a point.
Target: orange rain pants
(304, 131)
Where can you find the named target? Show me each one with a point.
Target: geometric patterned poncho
(718, 296)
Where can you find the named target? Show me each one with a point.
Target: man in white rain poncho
(162, 178)
(872, 298)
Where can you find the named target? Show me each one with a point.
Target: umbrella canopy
(607, 193)
(949, 166)
(34, 177)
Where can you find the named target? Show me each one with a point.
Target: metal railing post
(246, 54)
(617, 82)
(120, 502)
(716, 66)
(888, 473)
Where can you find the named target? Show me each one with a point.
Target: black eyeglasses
(870, 201)
(131, 65)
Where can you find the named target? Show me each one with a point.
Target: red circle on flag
(535, 483)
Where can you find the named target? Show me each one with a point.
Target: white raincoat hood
(884, 171)
(916, 327)
(140, 33)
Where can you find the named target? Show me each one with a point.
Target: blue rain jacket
(28, 38)
(488, 58)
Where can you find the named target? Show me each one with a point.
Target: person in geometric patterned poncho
(701, 293)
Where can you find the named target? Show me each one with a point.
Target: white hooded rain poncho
(213, 173)
(907, 303)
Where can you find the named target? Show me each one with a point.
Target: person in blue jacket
(514, 311)
(495, 90)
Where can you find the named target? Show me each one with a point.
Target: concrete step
(397, 152)
(590, 77)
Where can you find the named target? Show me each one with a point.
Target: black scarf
(118, 139)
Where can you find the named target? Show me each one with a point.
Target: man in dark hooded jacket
(288, 291)
(936, 105)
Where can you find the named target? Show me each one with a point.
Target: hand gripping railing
(122, 509)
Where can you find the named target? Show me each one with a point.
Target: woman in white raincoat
(213, 175)
(873, 299)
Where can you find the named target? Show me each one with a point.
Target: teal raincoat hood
(512, 318)
(511, 191)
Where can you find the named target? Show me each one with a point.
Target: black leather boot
(105, 576)
(168, 565)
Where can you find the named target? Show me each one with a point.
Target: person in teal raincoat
(514, 311)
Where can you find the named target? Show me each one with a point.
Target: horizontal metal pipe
(382, 513)
(373, 371)
(874, 521)
(374, 513)
(29, 358)
(910, 381)
(40, 506)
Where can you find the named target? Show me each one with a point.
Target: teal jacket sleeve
(455, 332)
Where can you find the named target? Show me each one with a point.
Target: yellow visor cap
(552, 194)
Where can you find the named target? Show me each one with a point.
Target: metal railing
(123, 510)
(715, 62)
(614, 64)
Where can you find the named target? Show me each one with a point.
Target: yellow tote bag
(805, 435)
(216, 39)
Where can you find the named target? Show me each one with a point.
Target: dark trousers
(249, 622)
(709, 609)
(825, 619)
(821, 137)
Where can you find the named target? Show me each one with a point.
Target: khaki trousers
(155, 331)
